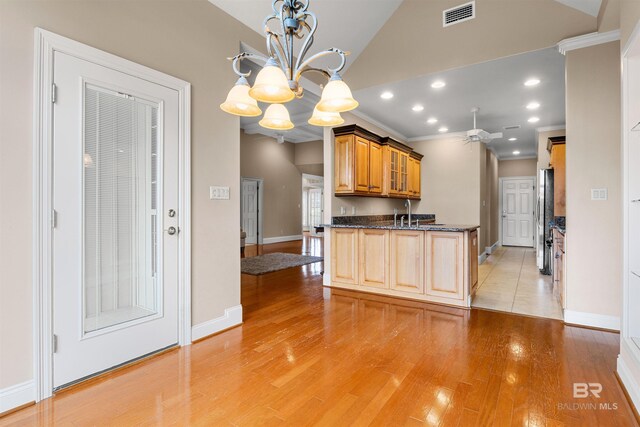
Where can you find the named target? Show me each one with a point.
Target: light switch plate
(218, 193)
(599, 194)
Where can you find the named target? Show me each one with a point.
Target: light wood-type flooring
(307, 355)
(510, 281)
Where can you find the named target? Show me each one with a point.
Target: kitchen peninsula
(422, 261)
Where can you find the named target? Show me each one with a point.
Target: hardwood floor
(308, 355)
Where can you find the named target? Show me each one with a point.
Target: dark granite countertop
(425, 227)
(385, 222)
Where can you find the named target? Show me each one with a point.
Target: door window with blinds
(121, 204)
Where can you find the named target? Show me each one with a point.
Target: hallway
(510, 281)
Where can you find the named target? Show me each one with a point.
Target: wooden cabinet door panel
(362, 165)
(375, 168)
(406, 258)
(344, 255)
(473, 260)
(374, 258)
(404, 174)
(394, 171)
(344, 164)
(416, 177)
(559, 180)
(445, 269)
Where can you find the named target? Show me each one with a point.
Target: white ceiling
(590, 7)
(495, 86)
(347, 25)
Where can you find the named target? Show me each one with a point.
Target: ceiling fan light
(271, 85)
(276, 117)
(325, 118)
(336, 97)
(239, 102)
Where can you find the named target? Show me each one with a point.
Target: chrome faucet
(395, 217)
(402, 221)
(407, 204)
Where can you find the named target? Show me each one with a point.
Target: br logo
(583, 390)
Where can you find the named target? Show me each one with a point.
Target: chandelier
(279, 80)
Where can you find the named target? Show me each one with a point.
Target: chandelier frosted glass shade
(239, 102)
(336, 97)
(323, 118)
(276, 117)
(271, 85)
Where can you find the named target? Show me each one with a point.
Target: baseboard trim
(592, 319)
(491, 249)
(281, 239)
(17, 395)
(482, 258)
(628, 382)
(232, 316)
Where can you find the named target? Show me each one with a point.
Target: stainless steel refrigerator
(544, 212)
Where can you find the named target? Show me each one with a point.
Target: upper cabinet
(557, 147)
(368, 165)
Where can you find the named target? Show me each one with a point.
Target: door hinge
(54, 93)
(54, 218)
(54, 343)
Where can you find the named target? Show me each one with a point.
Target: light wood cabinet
(558, 148)
(376, 168)
(344, 255)
(559, 265)
(473, 261)
(367, 165)
(445, 264)
(406, 258)
(374, 258)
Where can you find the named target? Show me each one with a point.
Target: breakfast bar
(420, 260)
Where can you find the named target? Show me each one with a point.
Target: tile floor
(510, 281)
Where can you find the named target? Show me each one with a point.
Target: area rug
(268, 263)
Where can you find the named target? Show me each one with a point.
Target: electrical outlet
(353, 210)
(343, 210)
(218, 193)
(599, 194)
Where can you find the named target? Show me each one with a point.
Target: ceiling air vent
(511, 127)
(458, 14)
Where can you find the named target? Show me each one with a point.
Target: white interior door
(250, 210)
(115, 241)
(315, 203)
(518, 212)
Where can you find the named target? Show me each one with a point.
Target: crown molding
(392, 132)
(586, 40)
(551, 128)
(438, 136)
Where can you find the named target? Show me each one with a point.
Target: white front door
(250, 210)
(115, 196)
(518, 212)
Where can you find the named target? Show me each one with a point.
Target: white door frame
(46, 43)
(500, 183)
(260, 182)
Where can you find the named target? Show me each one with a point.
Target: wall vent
(511, 127)
(459, 14)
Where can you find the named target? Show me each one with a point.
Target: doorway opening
(312, 204)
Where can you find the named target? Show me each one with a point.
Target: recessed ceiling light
(386, 95)
(438, 84)
(432, 120)
(532, 82)
(513, 139)
(533, 105)
(443, 129)
(515, 153)
(533, 119)
(418, 107)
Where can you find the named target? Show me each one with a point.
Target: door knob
(172, 231)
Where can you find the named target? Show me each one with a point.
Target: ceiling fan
(479, 135)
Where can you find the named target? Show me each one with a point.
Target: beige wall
(501, 28)
(262, 157)
(544, 157)
(519, 167)
(594, 246)
(609, 16)
(629, 16)
(450, 180)
(309, 157)
(187, 39)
